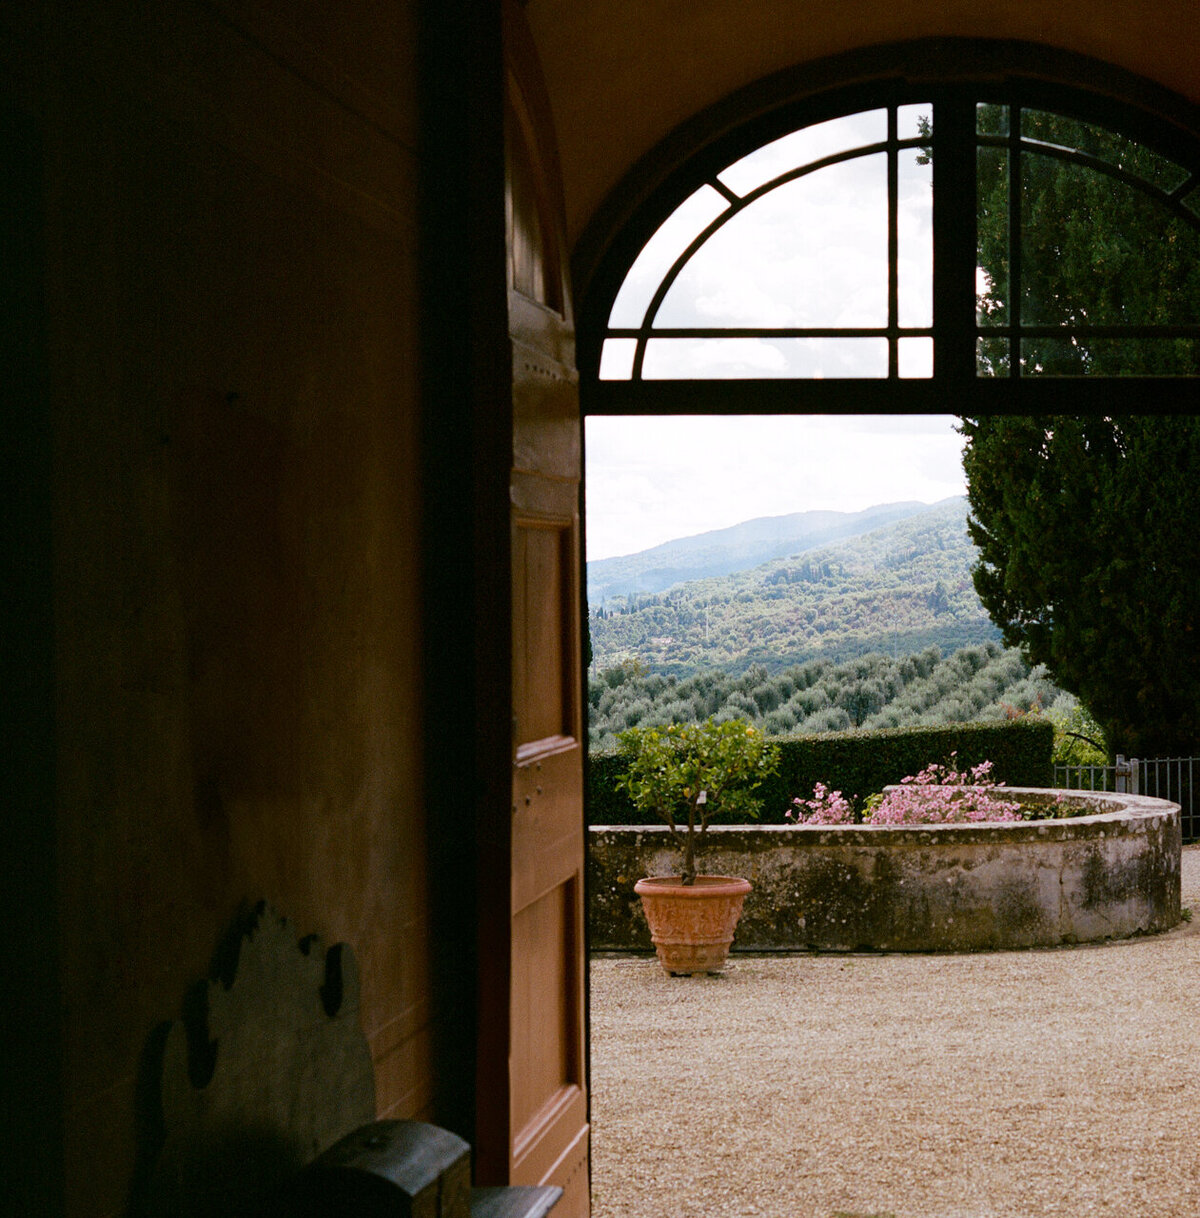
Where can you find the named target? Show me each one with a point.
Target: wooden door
(547, 1098)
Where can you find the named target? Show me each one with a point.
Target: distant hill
(896, 589)
(737, 548)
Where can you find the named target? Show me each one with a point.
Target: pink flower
(825, 808)
(939, 794)
(945, 795)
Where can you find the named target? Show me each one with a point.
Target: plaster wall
(623, 74)
(231, 284)
(226, 200)
(1107, 875)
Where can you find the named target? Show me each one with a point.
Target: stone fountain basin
(1110, 873)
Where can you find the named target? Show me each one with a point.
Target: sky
(655, 479)
(812, 252)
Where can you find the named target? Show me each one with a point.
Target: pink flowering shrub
(944, 795)
(938, 795)
(825, 808)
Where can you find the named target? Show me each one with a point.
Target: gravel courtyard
(1006, 1085)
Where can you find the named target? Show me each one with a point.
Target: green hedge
(859, 763)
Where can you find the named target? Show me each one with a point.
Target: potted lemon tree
(684, 775)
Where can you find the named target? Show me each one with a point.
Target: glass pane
(915, 357)
(991, 119)
(812, 252)
(991, 268)
(914, 122)
(914, 224)
(616, 359)
(658, 255)
(1104, 144)
(1192, 201)
(1098, 252)
(991, 357)
(1110, 357)
(803, 147)
(764, 358)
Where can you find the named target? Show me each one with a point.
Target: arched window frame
(954, 76)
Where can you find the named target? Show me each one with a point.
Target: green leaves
(1095, 250)
(688, 772)
(873, 591)
(670, 767)
(1090, 562)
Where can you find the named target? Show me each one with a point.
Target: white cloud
(653, 479)
(812, 252)
(804, 146)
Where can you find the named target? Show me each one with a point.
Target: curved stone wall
(1108, 874)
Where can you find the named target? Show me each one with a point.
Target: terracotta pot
(692, 926)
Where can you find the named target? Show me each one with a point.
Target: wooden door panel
(543, 704)
(547, 1125)
(570, 1172)
(547, 1071)
(545, 846)
(553, 1154)
(548, 1104)
(546, 433)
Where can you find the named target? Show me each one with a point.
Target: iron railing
(1163, 777)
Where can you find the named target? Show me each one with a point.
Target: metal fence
(1163, 777)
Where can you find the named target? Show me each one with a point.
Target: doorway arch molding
(921, 70)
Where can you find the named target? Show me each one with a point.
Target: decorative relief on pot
(692, 926)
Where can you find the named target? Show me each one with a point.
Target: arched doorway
(1013, 314)
(1005, 139)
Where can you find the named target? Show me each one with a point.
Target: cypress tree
(1090, 562)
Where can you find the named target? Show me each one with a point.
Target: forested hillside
(898, 590)
(982, 682)
(738, 548)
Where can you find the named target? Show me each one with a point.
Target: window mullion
(954, 238)
(893, 190)
(1014, 239)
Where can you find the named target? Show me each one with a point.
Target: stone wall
(1111, 873)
